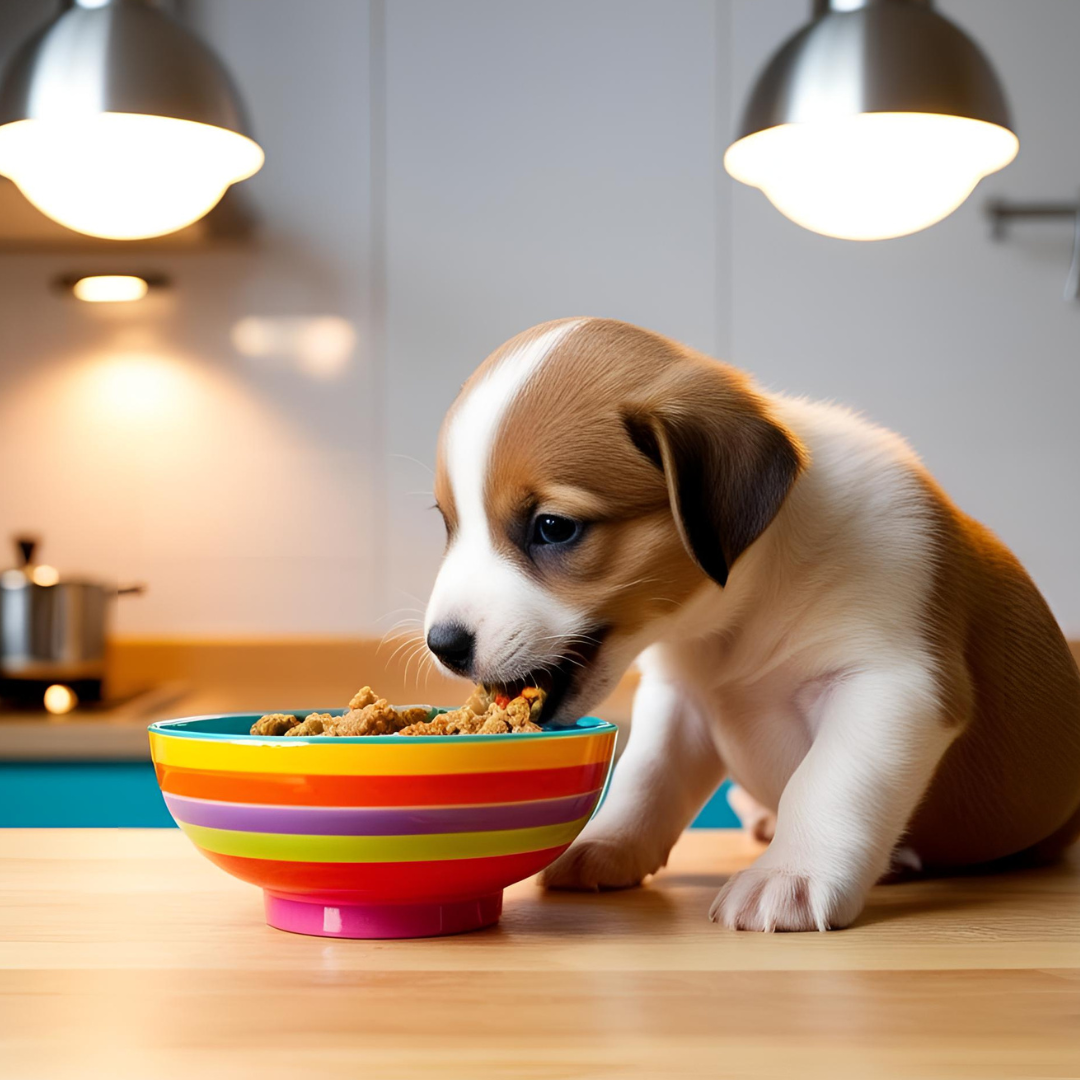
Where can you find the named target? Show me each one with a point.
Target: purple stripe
(378, 821)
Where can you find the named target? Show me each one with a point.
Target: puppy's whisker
(552, 660)
(414, 633)
(413, 655)
(408, 641)
(427, 667)
(428, 664)
(640, 581)
(414, 461)
(571, 660)
(402, 641)
(409, 620)
(418, 645)
(570, 639)
(408, 610)
(410, 656)
(403, 628)
(406, 627)
(394, 631)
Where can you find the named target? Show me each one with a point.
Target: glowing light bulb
(60, 699)
(109, 288)
(871, 176)
(45, 575)
(124, 176)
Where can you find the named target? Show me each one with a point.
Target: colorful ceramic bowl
(381, 836)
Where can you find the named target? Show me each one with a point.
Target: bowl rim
(583, 726)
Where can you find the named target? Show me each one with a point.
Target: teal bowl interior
(231, 725)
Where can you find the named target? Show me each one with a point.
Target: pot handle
(131, 590)
(26, 546)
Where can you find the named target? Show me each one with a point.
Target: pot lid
(31, 572)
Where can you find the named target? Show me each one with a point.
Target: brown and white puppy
(810, 613)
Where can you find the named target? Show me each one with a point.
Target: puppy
(810, 614)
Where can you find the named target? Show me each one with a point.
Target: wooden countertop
(125, 954)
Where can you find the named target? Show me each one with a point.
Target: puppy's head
(592, 477)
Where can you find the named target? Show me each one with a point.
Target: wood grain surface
(125, 954)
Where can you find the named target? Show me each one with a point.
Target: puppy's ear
(728, 465)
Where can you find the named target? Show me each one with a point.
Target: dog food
(368, 714)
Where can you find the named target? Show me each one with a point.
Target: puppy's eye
(552, 529)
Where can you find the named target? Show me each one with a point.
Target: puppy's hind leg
(757, 821)
(668, 770)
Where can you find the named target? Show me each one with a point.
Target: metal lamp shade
(117, 121)
(896, 97)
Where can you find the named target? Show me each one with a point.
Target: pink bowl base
(381, 920)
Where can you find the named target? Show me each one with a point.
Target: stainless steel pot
(53, 630)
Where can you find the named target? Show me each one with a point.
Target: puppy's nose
(453, 644)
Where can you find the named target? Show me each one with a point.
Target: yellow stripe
(395, 757)
(428, 847)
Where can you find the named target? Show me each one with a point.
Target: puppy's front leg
(880, 736)
(668, 770)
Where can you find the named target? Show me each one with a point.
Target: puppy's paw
(595, 863)
(774, 898)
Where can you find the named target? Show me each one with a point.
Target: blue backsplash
(108, 794)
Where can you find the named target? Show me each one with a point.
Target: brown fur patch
(1009, 680)
(444, 493)
(728, 464)
(564, 447)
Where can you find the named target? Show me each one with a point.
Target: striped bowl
(380, 836)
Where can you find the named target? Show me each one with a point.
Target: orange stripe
(383, 756)
(454, 789)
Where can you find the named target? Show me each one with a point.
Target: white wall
(445, 174)
(544, 160)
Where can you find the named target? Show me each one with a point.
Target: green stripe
(359, 849)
